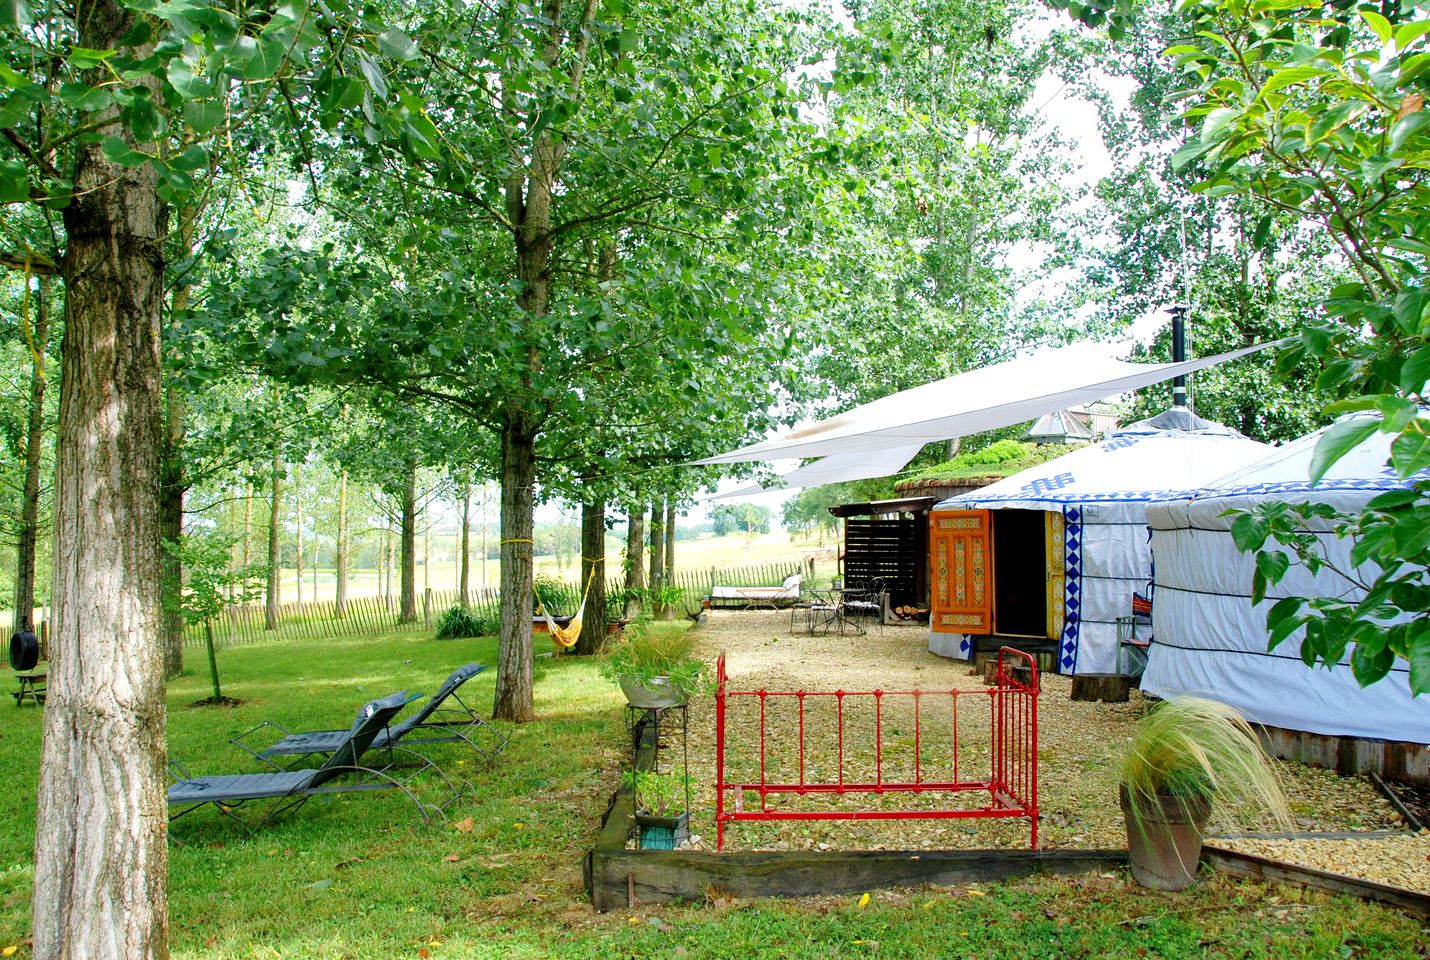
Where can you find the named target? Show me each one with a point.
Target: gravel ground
(1079, 744)
(1400, 861)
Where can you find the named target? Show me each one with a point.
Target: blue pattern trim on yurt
(1120, 441)
(1388, 481)
(965, 647)
(1111, 496)
(1072, 589)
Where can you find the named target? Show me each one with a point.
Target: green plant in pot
(655, 668)
(661, 807)
(1187, 756)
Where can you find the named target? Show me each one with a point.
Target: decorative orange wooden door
(961, 564)
(1057, 572)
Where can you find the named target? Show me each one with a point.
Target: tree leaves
(397, 45)
(1340, 439)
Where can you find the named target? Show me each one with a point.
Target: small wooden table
(32, 685)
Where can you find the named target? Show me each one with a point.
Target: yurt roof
(1287, 469)
(1149, 460)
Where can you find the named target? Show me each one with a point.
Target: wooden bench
(32, 685)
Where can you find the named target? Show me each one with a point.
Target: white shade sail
(849, 466)
(972, 402)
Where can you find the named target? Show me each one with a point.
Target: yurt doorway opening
(1020, 573)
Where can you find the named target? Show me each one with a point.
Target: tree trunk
(275, 551)
(486, 501)
(384, 569)
(213, 659)
(298, 555)
(669, 578)
(464, 581)
(527, 196)
(518, 475)
(231, 530)
(593, 571)
(408, 611)
(29, 533)
(247, 533)
(101, 844)
(635, 559)
(172, 487)
(340, 587)
(657, 557)
(171, 530)
(393, 584)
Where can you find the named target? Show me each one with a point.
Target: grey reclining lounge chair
(436, 722)
(290, 789)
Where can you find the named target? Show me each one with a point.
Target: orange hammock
(566, 637)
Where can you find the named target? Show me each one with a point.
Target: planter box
(663, 833)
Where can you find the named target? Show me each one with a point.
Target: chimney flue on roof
(1179, 353)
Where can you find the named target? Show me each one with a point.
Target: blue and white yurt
(1055, 553)
(1211, 641)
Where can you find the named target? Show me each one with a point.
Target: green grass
(1002, 459)
(353, 877)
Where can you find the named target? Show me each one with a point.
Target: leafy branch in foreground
(1385, 612)
(1318, 111)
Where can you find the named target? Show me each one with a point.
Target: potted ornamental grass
(1188, 756)
(655, 667)
(661, 807)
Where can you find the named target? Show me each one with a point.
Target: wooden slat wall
(895, 551)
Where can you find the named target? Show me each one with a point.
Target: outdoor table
(32, 685)
(828, 610)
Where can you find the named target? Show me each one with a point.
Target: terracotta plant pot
(1164, 839)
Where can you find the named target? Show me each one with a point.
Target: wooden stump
(1104, 687)
(1022, 673)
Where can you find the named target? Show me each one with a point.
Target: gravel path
(1079, 744)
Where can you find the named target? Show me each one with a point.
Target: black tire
(24, 650)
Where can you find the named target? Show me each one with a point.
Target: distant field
(709, 551)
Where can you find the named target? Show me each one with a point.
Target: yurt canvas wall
(1211, 641)
(1054, 554)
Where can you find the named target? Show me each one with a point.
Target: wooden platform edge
(1250, 865)
(616, 876)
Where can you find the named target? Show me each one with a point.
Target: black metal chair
(867, 604)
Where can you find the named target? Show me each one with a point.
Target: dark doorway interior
(1020, 573)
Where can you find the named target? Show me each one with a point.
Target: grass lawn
(356, 876)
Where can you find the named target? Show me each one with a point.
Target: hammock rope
(566, 637)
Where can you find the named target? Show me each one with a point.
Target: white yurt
(1211, 641)
(1056, 552)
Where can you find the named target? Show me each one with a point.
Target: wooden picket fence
(362, 616)
(372, 615)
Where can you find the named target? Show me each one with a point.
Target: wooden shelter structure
(887, 540)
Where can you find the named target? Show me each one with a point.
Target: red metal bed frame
(1012, 783)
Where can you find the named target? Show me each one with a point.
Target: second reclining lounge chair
(343, 772)
(436, 722)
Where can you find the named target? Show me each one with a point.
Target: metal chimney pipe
(1179, 353)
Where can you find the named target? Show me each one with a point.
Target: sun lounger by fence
(747, 598)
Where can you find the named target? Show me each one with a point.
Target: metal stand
(651, 729)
